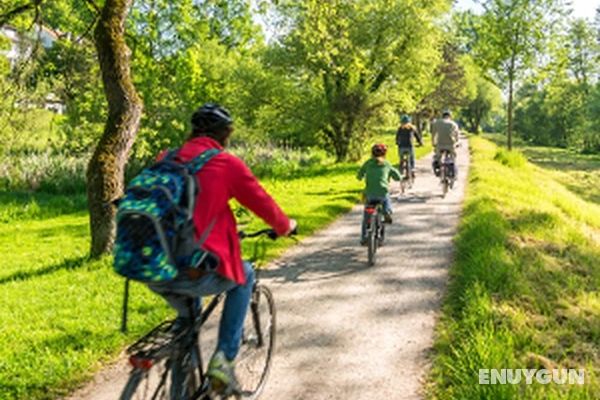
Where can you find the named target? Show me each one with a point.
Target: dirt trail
(347, 331)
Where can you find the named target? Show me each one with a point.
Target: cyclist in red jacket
(223, 178)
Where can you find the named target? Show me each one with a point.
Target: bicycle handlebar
(266, 232)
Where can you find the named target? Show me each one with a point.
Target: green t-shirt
(378, 177)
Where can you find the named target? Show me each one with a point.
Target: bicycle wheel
(258, 343)
(372, 239)
(166, 379)
(444, 181)
(148, 383)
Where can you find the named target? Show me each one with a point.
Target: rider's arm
(394, 173)
(361, 172)
(246, 189)
(418, 137)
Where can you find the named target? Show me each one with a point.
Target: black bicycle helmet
(210, 118)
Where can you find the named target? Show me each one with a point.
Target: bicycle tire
(147, 384)
(372, 240)
(254, 360)
(160, 382)
(444, 179)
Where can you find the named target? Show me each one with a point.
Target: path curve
(347, 331)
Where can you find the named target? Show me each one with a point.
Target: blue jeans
(387, 208)
(178, 291)
(411, 156)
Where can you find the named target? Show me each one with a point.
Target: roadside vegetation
(524, 284)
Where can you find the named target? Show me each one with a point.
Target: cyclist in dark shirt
(405, 138)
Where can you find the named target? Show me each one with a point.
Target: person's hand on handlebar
(293, 228)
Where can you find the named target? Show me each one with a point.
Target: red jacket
(225, 177)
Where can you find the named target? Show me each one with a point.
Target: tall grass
(524, 284)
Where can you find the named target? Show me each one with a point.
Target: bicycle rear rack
(157, 343)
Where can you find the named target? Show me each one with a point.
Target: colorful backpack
(155, 230)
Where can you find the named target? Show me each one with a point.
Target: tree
(510, 33)
(487, 100)
(360, 54)
(583, 52)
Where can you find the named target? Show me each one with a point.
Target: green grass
(577, 172)
(524, 284)
(60, 313)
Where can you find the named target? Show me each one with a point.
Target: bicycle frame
(375, 227)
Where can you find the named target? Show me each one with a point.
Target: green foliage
(483, 106)
(513, 159)
(509, 35)
(564, 111)
(360, 55)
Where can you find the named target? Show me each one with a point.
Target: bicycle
(375, 229)
(407, 178)
(167, 362)
(447, 171)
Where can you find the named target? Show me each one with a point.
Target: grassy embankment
(524, 284)
(60, 313)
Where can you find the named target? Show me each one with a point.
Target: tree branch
(6, 17)
(94, 6)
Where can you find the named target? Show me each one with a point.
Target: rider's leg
(234, 313)
(178, 291)
(435, 165)
(412, 160)
(387, 209)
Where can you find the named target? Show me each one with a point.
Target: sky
(581, 8)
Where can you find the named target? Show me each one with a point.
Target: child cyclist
(377, 172)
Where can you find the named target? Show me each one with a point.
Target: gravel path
(347, 331)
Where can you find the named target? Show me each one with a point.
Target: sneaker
(363, 242)
(387, 218)
(412, 174)
(221, 375)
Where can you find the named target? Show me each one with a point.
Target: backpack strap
(194, 166)
(198, 162)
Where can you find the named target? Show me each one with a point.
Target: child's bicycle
(406, 177)
(168, 365)
(375, 229)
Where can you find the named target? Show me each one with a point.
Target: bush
(49, 171)
(512, 159)
(281, 161)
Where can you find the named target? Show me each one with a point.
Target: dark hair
(446, 113)
(212, 120)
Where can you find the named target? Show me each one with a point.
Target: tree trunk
(105, 171)
(510, 114)
(511, 81)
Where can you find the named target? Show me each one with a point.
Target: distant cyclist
(444, 136)
(405, 138)
(377, 172)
